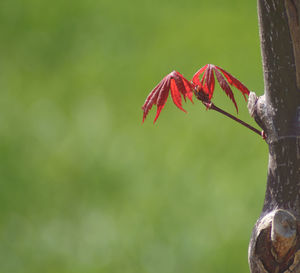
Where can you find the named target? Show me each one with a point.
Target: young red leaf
(207, 84)
(195, 79)
(235, 82)
(224, 85)
(162, 97)
(210, 80)
(203, 90)
(176, 97)
(151, 99)
(184, 86)
(187, 89)
(159, 95)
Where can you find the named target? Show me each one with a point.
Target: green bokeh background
(84, 186)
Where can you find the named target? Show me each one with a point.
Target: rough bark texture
(275, 241)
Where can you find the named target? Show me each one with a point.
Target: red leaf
(176, 95)
(159, 108)
(180, 86)
(205, 87)
(159, 95)
(195, 79)
(151, 99)
(184, 86)
(210, 80)
(189, 88)
(224, 85)
(235, 82)
(162, 97)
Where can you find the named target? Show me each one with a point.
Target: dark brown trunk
(275, 241)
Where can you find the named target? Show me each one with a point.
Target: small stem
(214, 107)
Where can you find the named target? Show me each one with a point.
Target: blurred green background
(84, 186)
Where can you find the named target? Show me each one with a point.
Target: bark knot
(261, 112)
(274, 246)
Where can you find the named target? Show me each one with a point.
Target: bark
(275, 241)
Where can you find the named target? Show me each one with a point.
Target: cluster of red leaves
(203, 89)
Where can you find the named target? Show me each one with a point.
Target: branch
(211, 106)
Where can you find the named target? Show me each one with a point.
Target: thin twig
(210, 105)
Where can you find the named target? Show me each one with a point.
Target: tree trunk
(275, 241)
